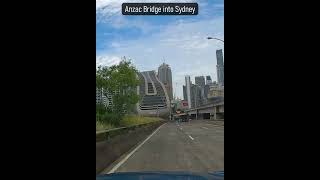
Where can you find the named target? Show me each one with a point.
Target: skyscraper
(208, 80)
(220, 67)
(165, 76)
(206, 91)
(199, 80)
(185, 97)
(188, 90)
(196, 99)
(192, 93)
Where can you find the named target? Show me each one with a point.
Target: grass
(135, 120)
(129, 120)
(103, 126)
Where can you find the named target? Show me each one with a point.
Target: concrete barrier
(119, 142)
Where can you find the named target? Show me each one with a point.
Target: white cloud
(183, 45)
(107, 60)
(107, 9)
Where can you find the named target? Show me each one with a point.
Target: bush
(103, 126)
(111, 118)
(100, 109)
(130, 120)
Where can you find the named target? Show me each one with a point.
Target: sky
(148, 41)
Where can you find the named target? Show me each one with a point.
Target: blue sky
(148, 41)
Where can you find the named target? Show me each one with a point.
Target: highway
(196, 146)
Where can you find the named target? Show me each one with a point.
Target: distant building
(206, 92)
(185, 97)
(196, 94)
(101, 98)
(196, 99)
(206, 89)
(165, 76)
(220, 67)
(154, 99)
(109, 98)
(200, 81)
(214, 83)
(208, 80)
(188, 90)
(216, 91)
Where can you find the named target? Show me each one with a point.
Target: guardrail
(107, 134)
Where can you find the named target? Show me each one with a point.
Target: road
(196, 146)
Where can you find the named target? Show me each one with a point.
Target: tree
(121, 80)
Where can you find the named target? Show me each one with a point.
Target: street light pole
(215, 39)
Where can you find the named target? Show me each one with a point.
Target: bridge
(213, 111)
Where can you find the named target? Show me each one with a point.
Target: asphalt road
(196, 146)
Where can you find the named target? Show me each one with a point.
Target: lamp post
(215, 39)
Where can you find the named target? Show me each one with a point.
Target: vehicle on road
(162, 175)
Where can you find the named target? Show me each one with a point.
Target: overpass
(208, 111)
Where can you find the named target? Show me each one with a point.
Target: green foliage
(103, 126)
(122, 81)
(128, 120)
(100, 109)
(111, 118)
(135, 120)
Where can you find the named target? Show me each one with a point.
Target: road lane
(209, 141)
(179, 147)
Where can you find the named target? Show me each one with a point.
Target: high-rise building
(214, 83)
(196, 99)
(216, 91)
(193, 93)
(188, 90)
(206, 90)
(165, 76)
(154, 99)
(220, 67)
(208, 80)
(185, 97)
(199, 80)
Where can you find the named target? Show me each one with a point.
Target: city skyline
(147, 40)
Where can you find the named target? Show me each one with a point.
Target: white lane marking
(190, 137)
(204, 127)
(130, 154)
(181, 128)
